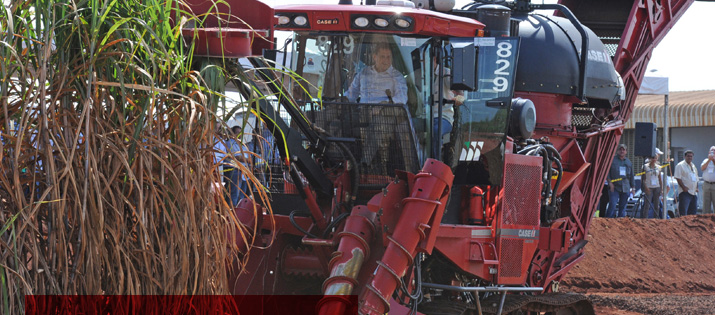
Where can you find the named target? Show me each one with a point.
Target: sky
(686, 55)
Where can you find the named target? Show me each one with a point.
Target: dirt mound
(652, 304)
(635, 266)
(647, 256)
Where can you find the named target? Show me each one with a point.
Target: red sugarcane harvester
(499, 210)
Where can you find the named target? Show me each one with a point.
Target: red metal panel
(518, 224)
(522, 190)
(426, 22)
(232, 28)
(470, 247)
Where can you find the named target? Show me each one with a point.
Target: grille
(510, 258)
(582, 117)
(521, 199)
(272, 177)
(379, 136)
(611, 43)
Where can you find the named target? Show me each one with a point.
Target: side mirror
(464, 65)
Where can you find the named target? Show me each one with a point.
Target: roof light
(300, 20)
(361, 21)
(380, 22)
(402, 23)
(283, 20)
(397, 3)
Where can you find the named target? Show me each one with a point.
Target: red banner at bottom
(181, 304)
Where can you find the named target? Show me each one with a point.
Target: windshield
(331, 63)
(370, 89)
(379, 93)
(483, 119)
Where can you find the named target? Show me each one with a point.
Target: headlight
(402, 23)
(283, 20)
(361, 22)
(380, 22)
(300, 20)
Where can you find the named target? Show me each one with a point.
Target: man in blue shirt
(620, 183)
(382, 83)
(372, 83)
(235, 180)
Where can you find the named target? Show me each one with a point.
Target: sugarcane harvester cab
(430, 160)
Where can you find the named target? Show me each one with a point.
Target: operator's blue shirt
(370, 86)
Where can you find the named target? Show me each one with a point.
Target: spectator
(651, 184)
(687, 176)
(219, 149)
(603, 202)
(708, 168)
(264, 145)
(235, 181)
(451, 98)
(620, 183)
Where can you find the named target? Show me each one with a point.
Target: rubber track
(441, 307)
(548, 302)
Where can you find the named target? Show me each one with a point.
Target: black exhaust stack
(496, 18)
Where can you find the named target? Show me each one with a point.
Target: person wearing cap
(686, 173)
(708, 168)
(650, 184)
(620, 183)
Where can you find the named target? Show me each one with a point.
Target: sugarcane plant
(107, 132)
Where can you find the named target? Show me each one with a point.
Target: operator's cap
(658, 151)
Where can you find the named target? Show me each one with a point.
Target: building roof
(685, 109)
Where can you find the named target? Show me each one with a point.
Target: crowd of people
(620, 185)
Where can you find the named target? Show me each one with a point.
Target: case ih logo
(327, 21)
(527, 233)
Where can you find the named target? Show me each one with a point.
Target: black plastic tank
(549, 61)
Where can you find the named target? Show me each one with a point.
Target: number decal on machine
(501, 83)
(324, 44)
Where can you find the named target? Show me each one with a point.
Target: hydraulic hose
(354, 176)
(558, 180)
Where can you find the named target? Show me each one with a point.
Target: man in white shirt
(687, 176)
(708, 168)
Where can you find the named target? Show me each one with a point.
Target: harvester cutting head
(486, 92)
